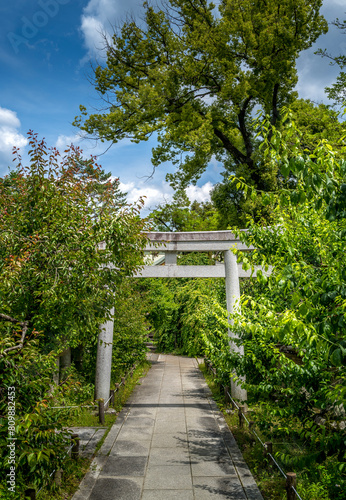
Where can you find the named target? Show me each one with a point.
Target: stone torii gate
(170, 244)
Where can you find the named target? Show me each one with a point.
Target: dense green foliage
(130, 330)
(52, 223)
(302, 304)
(129, 345)
(182, 215)
(38, 449)
(314, 122)
(55, 291)
(180, 308)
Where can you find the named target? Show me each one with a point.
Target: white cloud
(66, 140)
(9, 136)
(93, 33)
(199, 193)
(99, 19)
(96, 23)
(124, 186)
(155, 195)
(103, 10)
(9, 118)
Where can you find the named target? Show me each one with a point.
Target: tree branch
(275, 111)
(162, 222)
(23, 324)
(243, 130)
(237, 155)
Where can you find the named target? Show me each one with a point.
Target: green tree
(230, 204)
(182, 215)
(25, 390)
(130, 329)
(56, 288)
(53, 274)
(194, 78)
(102, 180)
(293, 322)
(313, 123)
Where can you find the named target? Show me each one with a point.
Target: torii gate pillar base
(237, 392)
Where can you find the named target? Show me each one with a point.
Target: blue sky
(46, 47)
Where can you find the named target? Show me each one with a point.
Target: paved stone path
(169, 442)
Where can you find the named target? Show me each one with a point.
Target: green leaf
(337, 358)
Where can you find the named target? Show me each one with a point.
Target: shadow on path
(169, 442)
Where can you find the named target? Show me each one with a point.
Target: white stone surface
(233, 305)
(195, 246)
(175, 271)
(170, 258)
(194, 241)
(104, 360)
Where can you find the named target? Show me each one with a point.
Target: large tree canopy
(194, 77)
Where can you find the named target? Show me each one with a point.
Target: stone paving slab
(115, 488)
(89, 437)
(169, 442)
(125, 466)
(131, 448)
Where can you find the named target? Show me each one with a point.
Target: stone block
(124, 466)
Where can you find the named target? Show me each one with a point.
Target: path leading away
(170, 442)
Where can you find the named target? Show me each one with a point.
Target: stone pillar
(170, 258)
(232, 298)
(104, 359)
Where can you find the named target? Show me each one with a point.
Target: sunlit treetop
(193, 76)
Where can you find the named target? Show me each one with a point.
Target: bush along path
(55, 292)
(273, 481)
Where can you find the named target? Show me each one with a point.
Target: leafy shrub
(40, 443)
(130, 330)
